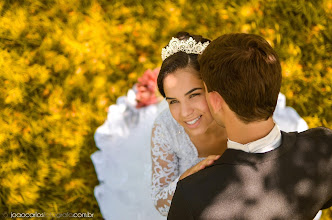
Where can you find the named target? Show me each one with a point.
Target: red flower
(146, 88)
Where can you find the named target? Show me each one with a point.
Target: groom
(264, 173)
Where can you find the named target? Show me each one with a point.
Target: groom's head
(244, 71)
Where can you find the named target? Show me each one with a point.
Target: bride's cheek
(174, 111)
(202, 101)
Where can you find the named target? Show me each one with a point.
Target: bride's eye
(193, 95)
(172, 102)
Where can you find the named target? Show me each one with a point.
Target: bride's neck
(212, 142)
(214, 130)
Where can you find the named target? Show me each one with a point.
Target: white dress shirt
(263, 145)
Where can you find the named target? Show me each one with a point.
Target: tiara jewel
(187, 46)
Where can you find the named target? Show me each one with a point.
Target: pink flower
(147, 88)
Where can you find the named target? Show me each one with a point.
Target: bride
(178, 146)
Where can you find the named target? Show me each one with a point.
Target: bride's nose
(186, 110)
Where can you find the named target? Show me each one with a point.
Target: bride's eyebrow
(169, 98)
(187, 93)
(192, 90)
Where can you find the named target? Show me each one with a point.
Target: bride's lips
(193, 123)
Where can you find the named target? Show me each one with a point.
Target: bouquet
(147, 88)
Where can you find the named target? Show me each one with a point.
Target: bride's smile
(193, 122)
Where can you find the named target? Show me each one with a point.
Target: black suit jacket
(293, 181)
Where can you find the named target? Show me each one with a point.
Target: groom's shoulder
(315, 139)
(319, 134)
(205, 178)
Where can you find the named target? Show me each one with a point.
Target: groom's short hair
(245, 70)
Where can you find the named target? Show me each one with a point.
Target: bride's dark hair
(179, 60)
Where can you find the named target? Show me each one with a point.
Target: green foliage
(63, 62)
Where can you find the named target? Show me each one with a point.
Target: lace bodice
(172, 153)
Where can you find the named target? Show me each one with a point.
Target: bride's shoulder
(165, 118)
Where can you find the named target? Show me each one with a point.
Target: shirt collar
(265, 144)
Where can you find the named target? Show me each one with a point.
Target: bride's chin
(195, 132)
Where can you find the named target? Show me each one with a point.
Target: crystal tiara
(187, 46)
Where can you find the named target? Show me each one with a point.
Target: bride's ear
(216, 101)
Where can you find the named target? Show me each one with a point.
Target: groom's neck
(243, 133)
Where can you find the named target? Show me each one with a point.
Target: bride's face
(185, 95)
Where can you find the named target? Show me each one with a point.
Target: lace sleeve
(165, 171)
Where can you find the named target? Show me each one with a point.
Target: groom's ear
(215, 100)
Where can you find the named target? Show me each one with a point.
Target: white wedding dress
(123, 163)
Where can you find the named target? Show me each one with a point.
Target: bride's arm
(165, 169)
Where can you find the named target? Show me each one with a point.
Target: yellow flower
(246, 11)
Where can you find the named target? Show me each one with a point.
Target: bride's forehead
(182, 75)
(179, 84)
(181, 80)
